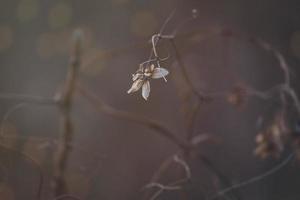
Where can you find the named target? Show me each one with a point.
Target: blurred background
(114, 159)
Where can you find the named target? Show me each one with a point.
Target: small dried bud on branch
(238, 96)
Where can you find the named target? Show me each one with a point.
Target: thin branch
(106, 55)
(200, 96)
(141, 120)
(6, 116)
(286, 85)
(185, 166)
(170, 186)
(25, 101)
(35, 163)
(254, 179)
(167, 21)
(66, 102)
(211, 167)
(164, 166)
(185, 22)
(161, 189)
(28, 99)
(155, 38)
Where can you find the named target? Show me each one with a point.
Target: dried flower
(143, 75)
(238, 96)
(271, 141)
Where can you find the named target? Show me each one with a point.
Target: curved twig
(254, 179)
(150, 123)
(35, 163)
(66, 101)
(28, 99)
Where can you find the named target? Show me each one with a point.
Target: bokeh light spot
(27, 10)
(60, 15)
(94, 62)
(143, 23)
(58, 43)
(6, 37)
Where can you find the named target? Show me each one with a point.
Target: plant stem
(66, 102)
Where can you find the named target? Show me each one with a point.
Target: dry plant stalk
(65, 100)
(101, 106)
(186, 146)
(34, 163)
(192, 111)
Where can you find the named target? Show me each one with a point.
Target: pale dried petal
(136, 86)
(146, 90)
(159, 72)
(152, 67)
(136, 76)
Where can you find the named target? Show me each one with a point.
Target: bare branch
(254, 179)
(35, 163)
(185, 166)
(66, 102)
(141, 120)
(28, 99)
(174, 185)
(6, 116)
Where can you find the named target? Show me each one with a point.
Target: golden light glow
(93, 62)
(143, 23)
(27, 10)
(60, 15)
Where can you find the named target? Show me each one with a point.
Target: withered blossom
(271, 141)
(141, 79)
(238, 96)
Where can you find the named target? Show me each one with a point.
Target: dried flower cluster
(271, 141)
(141, 78)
